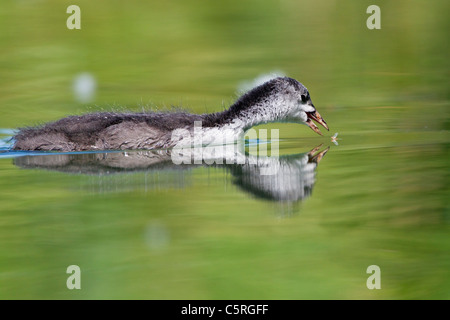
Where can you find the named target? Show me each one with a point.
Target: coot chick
(278, 100)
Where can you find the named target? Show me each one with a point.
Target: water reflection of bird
(288, 178)
(278, 100)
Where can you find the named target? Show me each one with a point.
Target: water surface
(141, 227)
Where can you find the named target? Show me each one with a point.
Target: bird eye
(304, 99)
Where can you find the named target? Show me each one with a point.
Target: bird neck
(242, 117)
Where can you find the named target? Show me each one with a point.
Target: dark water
(139, 226)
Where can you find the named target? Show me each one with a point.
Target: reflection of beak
(318, 118)
(313, 151)
(313, 157)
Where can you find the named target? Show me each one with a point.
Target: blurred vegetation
(381, 196)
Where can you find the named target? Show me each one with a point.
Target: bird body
(278, 100)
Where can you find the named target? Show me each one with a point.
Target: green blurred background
(381, 195)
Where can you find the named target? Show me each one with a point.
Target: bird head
(298, 105)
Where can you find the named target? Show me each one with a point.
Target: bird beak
(318, 118)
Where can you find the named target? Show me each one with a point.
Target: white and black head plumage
(281, 99)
